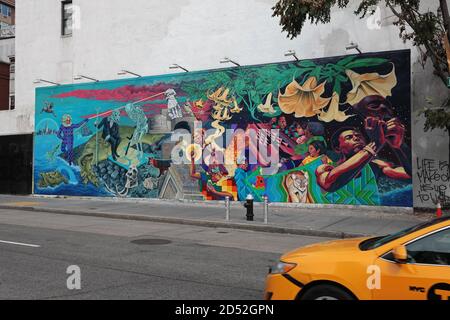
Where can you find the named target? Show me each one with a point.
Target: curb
(221, 203)
(193, 222)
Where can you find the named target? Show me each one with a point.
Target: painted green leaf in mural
(346, 60)
(307, 63)
(316, 72)
(239, 85)
(337, 87)
(341, 78)
(367, 62)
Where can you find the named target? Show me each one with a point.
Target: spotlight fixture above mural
(37, 81)
(353, 45)
(79, 77)
(291, 53)
(124, 72)
(228, 60)
(177, 66)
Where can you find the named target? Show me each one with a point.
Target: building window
(5, 10)
(67, 12)
(12, 102)
(4, 86)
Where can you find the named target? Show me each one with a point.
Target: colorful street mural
(334, 131)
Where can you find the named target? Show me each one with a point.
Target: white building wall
(146, 36)
(6, 49)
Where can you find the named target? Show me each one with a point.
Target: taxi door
(425, 275)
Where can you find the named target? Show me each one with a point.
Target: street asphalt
(190, 262)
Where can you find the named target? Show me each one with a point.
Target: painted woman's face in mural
(351, 142)
(313, 152)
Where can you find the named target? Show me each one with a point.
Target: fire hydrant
(249, 205)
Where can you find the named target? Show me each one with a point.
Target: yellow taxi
(411, 264)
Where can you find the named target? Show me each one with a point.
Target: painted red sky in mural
(126, 93)
(131, 93)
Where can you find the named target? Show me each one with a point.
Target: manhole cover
(151, 242)
(222, 232)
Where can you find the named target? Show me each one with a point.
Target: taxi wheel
(326, 292)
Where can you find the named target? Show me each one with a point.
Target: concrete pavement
(325, 221)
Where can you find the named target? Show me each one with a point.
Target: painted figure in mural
(132, 181)
(314, 131)
(48, 108)
(316, 149)
(280, 123)
(65, 133)
(297, 185)
(110, 131)
(211, 153)
(213, 182)
(356, 154)
(172, 104)
(297, 132)
(378, 113)
(286, 143)
(187, 108)
(137, 115)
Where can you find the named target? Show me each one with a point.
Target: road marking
(24, 203)
(21, 244)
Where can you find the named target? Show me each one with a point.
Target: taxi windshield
(376, 242)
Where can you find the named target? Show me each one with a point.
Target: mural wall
(334, 130)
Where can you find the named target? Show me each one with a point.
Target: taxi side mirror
(400, 254)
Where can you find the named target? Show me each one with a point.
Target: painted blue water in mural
(113, 138)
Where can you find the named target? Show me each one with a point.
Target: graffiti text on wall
(434, 179)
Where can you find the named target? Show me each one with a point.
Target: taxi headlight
(282, 267)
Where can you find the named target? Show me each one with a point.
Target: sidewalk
(313, 221)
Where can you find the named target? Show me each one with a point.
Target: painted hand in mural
(375, 130)
(395, 132)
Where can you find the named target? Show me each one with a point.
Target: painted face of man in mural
(350, 142)
(282, 123)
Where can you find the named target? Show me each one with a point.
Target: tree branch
(445, 16)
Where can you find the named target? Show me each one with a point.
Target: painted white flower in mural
(333, 113)
(369, 84)
(303, 100)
